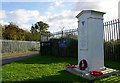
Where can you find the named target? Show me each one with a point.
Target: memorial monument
(90, 39)
(90, 46)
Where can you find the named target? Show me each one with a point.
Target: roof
(89, 11)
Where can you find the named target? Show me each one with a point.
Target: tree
(39, 28)
(28, 36)
(13, 32)
(10, 31)
(21, 34)
(1, 31)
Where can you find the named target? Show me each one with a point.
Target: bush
(112, 50)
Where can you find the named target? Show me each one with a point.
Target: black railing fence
(111, 38)
(65, 33)
(112, 30)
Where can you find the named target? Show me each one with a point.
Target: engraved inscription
(83, 35)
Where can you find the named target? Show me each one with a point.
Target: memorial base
(86, 74)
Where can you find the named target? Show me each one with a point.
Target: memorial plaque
(83, 35)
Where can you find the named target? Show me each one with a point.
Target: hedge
(112, 50)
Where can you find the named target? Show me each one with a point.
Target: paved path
(9, 59)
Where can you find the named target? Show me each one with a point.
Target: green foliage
(39, 28)
(48, 68)
(112, 50)
(1, 31)
(14, 32)
(11, 31)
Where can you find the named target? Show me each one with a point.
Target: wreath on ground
(71, 66)
(96, 73)
(83, 64)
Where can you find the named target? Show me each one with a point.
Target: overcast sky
(57, 13)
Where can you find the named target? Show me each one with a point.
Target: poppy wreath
(83, 64)
(96, 73)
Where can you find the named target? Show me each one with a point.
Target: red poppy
(70, 66)
(96, 73)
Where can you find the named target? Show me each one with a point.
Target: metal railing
(111, 38)
(112, 30)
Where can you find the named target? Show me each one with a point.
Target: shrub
(112, 50)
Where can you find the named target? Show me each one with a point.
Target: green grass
(46, 68)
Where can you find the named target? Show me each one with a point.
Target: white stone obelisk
(90, 39)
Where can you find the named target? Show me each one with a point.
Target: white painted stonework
(90, 39)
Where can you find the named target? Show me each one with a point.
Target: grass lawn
(46, 68)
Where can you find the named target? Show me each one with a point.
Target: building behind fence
(9, 46)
